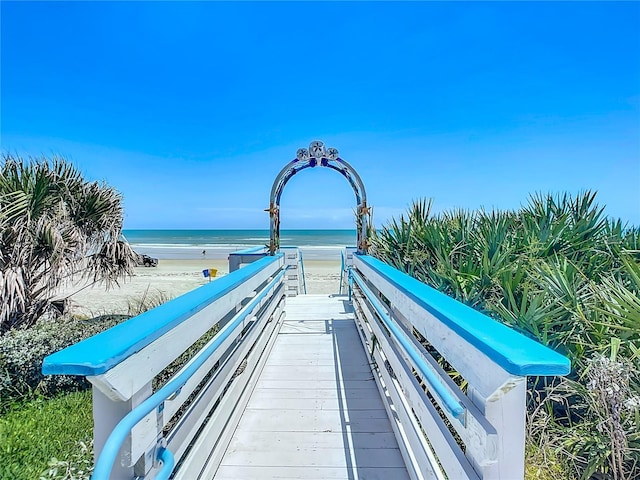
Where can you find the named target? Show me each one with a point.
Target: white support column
(234, 262)
(505, 409)
(107, 413)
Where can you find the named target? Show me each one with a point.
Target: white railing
(139, 433)
(185, 425)
(295, 282)
(294, 277)
(424, 404)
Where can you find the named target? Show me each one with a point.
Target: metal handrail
(341, 270)
(168, 463)
(112, 446)
(304, 280)
(449, 402)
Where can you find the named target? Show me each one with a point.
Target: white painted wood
(126, 378)
(473, 365)
(240, 472)
(106, 415)
(506, 410)
(293, 276)
(315, 409)
(419, 459)
(477, 433)
(494, 430)
(182, 434)
(209, 447)
(171, 407)
(412, 400)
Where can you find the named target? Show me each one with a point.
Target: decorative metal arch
(318, 155)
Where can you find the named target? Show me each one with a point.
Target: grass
(35, 431)
(544, 464)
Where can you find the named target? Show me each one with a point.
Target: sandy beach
(174, 277)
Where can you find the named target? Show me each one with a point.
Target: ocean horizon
(196, 243)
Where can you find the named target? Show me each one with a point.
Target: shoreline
(222, 252)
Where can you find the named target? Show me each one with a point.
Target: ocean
(190, 244)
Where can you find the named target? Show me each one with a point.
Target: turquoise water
(192, 244)
(239, 238)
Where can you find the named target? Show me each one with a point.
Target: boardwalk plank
(316, 411)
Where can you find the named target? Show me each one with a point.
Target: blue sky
(191, 109)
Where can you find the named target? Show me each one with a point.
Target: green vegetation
(22, 351)
(46, 424)
(559, 271)
(33, 434)
(54, 227)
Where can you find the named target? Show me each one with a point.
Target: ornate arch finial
(316, 150)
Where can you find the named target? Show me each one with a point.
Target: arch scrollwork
(318, 155)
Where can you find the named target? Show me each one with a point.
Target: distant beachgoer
(204, 253)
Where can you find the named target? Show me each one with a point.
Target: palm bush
(54, 227)
(561, 272)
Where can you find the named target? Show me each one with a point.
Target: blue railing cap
(516, 353)
(100, 353)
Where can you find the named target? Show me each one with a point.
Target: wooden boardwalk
(315, 412)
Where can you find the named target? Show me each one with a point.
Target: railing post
(292, 277)
(234, 262)
(505, 409)
(107, 413)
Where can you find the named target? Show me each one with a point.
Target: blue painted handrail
(449, 401)
(168, 464)
(514, 352)
(100, 353)
(114, 442)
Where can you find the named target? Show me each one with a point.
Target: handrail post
(292, 264)
(122, 362)
(505, 409)
(107, 413)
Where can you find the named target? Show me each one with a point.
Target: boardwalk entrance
(280, 384)
(315, 412)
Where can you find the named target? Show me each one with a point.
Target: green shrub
(22, 352)
(557, 270)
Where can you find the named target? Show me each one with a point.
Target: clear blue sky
(191, 109)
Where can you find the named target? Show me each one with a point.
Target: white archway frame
(318, 155)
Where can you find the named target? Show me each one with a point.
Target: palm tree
(55, 227)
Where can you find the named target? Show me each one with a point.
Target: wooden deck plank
(316, 411)
(236, 472)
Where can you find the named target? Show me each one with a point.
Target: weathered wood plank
(316, 411)
(235, 472)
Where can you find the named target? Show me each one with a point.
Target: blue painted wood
(516, 353)
(100, 353)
